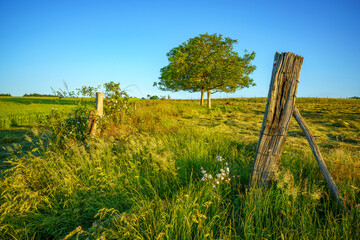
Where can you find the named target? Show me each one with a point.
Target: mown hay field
(147, 174)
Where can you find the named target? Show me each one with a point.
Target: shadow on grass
(310, 114)
(17, 142)
(340, 137)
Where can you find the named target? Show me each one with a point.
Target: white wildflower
(220, 177)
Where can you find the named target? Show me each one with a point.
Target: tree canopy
(206, 63)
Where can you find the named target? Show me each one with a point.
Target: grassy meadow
(171, 169)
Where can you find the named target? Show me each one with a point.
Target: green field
(24, 116)
(27, 111)
(141, 177)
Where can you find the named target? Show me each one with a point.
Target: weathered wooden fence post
(98, 113)
(100, 104)
(278, 112)
(279, 109)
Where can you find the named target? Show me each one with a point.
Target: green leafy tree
(206, 63)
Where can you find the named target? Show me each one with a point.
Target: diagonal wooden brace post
(318, 157)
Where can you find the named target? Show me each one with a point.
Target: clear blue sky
(43, 43)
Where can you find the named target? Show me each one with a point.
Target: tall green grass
(141, 179)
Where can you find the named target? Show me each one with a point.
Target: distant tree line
(38, 95)
(5, 94)
(155, 97)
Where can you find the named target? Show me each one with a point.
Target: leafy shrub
(116, 102)
(75, 126)
(154, 97)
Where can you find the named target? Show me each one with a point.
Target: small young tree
(206, 63)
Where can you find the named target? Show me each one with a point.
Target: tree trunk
(202, 98)
(278, 112)
(209, 99)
